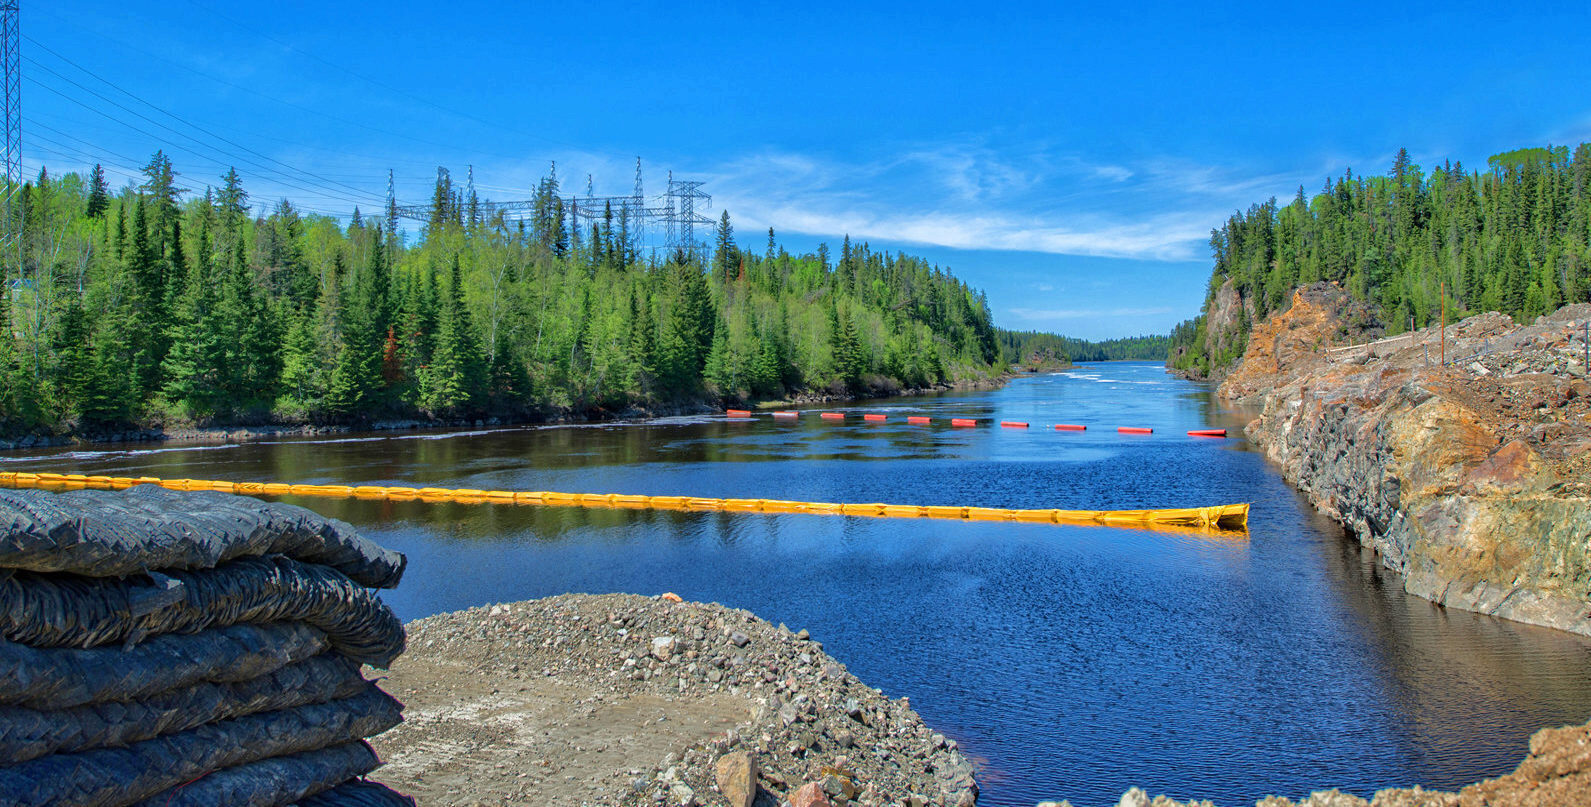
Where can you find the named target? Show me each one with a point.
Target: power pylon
(12, 56)
(680, 204)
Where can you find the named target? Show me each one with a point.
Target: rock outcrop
(1473, 481)
(1557, 773)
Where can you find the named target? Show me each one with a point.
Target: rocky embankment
(1472, 481)
(622, 699)
(1556, 773)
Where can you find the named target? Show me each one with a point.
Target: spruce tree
(98, 195)
(727, 256)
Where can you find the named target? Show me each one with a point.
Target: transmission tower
(681, 206)
(14, 212)
(392, 217)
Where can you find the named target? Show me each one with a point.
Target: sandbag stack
(161, 648)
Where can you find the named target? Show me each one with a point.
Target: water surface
(1073, 662)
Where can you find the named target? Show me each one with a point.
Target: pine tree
(727, 256)
(99, 195)
(198, 333)
(454, 381)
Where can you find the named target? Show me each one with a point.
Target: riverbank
(1473, 481)
(623, 699)
(245, 432)
(1555, 773)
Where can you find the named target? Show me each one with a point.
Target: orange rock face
(1474, 484)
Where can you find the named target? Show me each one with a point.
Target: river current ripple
(1071, 662)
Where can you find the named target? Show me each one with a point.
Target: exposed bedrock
(1472, 482)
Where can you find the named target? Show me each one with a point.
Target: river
(1071, 662)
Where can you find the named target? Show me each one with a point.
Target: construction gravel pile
(189, 649)
(806, 731)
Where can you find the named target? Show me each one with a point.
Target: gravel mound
(804, 722)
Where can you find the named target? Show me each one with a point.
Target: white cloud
(1038, 314)
(971, 196)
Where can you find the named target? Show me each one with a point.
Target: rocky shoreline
(1472, 481)
(630, 700)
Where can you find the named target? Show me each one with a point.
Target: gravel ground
(630, 700)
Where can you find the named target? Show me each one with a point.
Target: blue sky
(1069, 160)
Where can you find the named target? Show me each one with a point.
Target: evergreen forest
(154, 305)
(1514, 238)
(1038, 346)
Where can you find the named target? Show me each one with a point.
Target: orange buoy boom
(1070, 427)
(918, 420)
(833, 415)
(1013, 424)
(1220, 518)
(963, 422)
(875, 418)
(1134, 430)
(1207, 433)
(790, 413)
(739, 413)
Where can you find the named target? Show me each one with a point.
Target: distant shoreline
(243, 433)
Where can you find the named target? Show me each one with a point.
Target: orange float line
(1215, 520)
(833, 416)
(963, 422)
(875, 418)
(918, 420)
(1013, 424)
(1070, 427)
(1134, 430)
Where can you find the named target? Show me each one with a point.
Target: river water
(1071, 662)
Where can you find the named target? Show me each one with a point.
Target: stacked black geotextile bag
(170, 648)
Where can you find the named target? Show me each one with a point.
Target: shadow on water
(1074, 661)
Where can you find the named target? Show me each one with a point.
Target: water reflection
(1077, 661)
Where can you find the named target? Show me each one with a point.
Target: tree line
(1514, 238)
(1036, 347)
(153, 305)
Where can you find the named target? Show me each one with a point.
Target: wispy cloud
(1045, 314)
(971, 196)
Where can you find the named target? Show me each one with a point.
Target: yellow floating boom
(1233, 517)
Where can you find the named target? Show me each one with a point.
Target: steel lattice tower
(682, 197)
(12, 56)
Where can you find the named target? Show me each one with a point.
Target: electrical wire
(169, 114)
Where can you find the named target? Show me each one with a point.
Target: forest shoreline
(248, 432)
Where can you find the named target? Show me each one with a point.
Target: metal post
(1444, 325)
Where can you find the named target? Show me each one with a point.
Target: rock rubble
(807, 731)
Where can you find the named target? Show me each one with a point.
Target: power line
(266, 96)
(169, 114)
(376, 83)
(200, 144)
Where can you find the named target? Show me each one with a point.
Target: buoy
(788, 414)
(1134, 430)
(874, 418)
(963, 422)
(918, 420)
(1207, 433)
(1070, 427)
(1013, 424)
(739, 413)
(833, 415)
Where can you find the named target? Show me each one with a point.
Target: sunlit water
(1071, 662)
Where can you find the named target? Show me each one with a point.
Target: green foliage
(1021, 346)
(1516, 239)
(147, 305)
